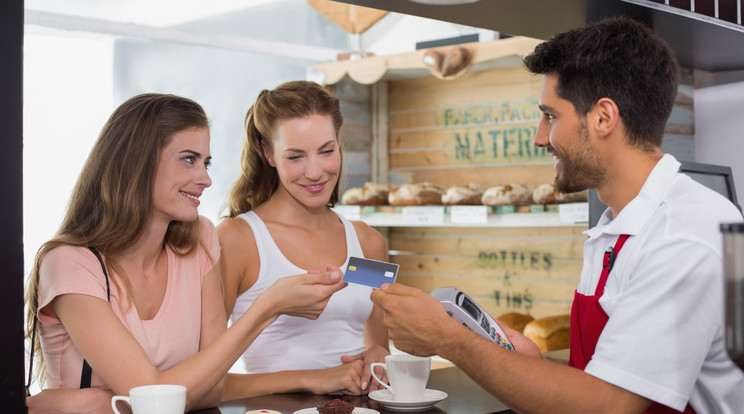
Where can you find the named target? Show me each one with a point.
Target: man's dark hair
(617, 58)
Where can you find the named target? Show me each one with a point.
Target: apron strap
(608, 262)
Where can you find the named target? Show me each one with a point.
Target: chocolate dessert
(335, 407)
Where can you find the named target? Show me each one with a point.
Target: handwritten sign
(469, 214)
(423, 215)
(573, 213)
(349, 212)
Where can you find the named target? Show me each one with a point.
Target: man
(648, 336)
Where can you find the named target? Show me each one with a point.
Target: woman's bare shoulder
(233, 227)
(372, 241)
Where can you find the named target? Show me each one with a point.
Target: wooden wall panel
(485, 175)
(530, 270)
(462, 131)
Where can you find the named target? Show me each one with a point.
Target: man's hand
(417, 322)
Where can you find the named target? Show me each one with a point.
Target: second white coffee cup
(407, 375)
(151, 399)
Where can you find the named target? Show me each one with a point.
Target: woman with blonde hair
(281, 224)
(128, 291)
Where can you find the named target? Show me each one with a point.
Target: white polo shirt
(665, 295)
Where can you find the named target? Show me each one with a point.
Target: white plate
(385, 397)
(357, 410)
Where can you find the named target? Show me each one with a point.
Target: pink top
(168, 339)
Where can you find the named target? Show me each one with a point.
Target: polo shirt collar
(639, 210)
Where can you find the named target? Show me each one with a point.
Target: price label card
(469, 214)
(423, 215)
(349, 212)
(573, 213)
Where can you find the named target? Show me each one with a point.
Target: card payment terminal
(465, 310)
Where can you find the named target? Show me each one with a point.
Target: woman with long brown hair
(128, 292)
(281, 224)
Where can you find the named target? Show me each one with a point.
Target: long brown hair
(290, 100)
(111, 202)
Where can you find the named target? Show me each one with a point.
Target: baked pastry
(576, 197)
(515, 320)
(547, 194)
(550, 333)
(352, 196)
(336, 406)
(375, 194)
(507, 194)
(420, 194)
(459, 195)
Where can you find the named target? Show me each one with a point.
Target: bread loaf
(352, 196)
(515, 320)
(463, 195)
(375, 194)
(548, 194)
(577, 197)
(508, 194)
(545, 194)
(420, 194)
(550, 333)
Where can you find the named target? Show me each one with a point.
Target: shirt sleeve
(69, 269)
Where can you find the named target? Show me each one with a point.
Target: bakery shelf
(560, 215)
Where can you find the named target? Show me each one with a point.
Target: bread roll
(547, 194)
(507, 194)
(550, 333)
(375, 194)
(420, 194)
(577, 197)
(459, 195)
(515, 320)
(352, 196)
(456, 60)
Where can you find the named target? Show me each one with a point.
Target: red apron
(588, 320)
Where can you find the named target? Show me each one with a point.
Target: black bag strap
(87, 372)
(31, 358)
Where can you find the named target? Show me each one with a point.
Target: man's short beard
(583, 169)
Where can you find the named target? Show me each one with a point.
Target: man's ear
(267, 150)
(607, 116)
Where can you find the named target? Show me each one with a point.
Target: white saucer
(357, 410)
(385, 397)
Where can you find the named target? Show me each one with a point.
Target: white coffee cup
(407, 375)
(154, 399)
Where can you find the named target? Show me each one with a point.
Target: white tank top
(295, 343)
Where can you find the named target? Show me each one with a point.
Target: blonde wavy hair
(290, 100)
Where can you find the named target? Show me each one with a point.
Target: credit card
(370, 272)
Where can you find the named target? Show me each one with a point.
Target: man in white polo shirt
(647, 318)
